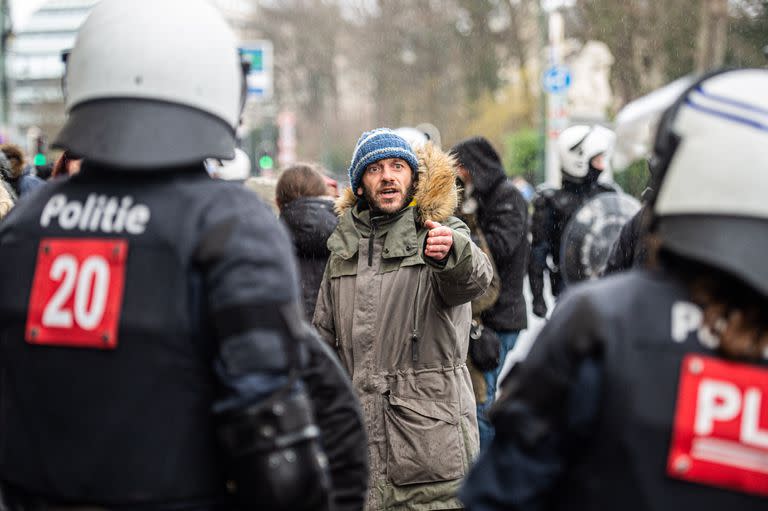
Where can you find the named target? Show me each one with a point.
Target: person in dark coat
(630, 250)
(20, 178)
(581, 150)
(306, 208)
(502, 215)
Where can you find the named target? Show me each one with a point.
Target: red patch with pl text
(720, 435)
(77, 293)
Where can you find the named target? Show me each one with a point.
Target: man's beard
(375, 206)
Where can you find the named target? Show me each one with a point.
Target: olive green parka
(400, 324)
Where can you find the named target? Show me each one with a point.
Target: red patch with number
(77, 293)
(720, 436)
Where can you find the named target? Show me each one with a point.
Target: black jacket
(197, 292)
(503, 217)
(552, 209)
(588, 420)
(311, 220)
(629, 249)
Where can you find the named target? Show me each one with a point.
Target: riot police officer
(648, 390)
(582, 159)
(153, 354)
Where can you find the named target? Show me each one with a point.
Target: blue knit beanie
(376, 145)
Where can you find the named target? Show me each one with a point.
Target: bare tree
(711, 40)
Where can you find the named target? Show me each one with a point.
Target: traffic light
(263, 140)
(266, 162)
(40, 159)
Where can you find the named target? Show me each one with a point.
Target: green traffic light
(266, 162)
(39, 160)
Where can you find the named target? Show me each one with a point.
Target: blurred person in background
(66, 165)
(395, 304)
(20, 176)
(155, 354)
(502, 217)
(582, 152)
(648, 390)
(484, 353)
(44, 172)
(8, 196)
(306, 208)
(332, 185)
(630, 248)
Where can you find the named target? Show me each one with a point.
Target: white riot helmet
(570, 149)
(577, 145)
(153, 84)
(600, 140)
(418, 137)
(711, 171)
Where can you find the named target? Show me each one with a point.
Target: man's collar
(400, 230)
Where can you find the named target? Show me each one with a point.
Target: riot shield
(590, 234)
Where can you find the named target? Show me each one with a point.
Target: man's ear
(359, 191)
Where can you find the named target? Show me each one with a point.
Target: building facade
(36, 67)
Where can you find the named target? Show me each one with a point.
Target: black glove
(484, 347)
(540, 308)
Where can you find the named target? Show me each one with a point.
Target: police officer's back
(647, 390)
(152, 350)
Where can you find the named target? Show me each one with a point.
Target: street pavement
(528, 336)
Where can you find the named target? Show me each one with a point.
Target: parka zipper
(415, 334)
(370, 241)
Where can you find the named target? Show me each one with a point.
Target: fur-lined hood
(15, 156)
(436, 195)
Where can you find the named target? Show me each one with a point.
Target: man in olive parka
(395, 303)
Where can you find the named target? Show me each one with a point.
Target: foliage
(523, 152)
(747, 31)
(634, 179)
(495, 116)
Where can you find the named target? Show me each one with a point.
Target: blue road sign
(556, 79)
(258, 54)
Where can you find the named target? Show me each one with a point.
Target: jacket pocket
(423, 441)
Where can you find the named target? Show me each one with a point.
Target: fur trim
(436, 194)
(14, 151)
(345, 202)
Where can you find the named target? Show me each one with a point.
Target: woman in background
(306, 208)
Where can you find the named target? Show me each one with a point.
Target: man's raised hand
(439, 240)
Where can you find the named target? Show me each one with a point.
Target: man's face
(598, 162)
(387, 184)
